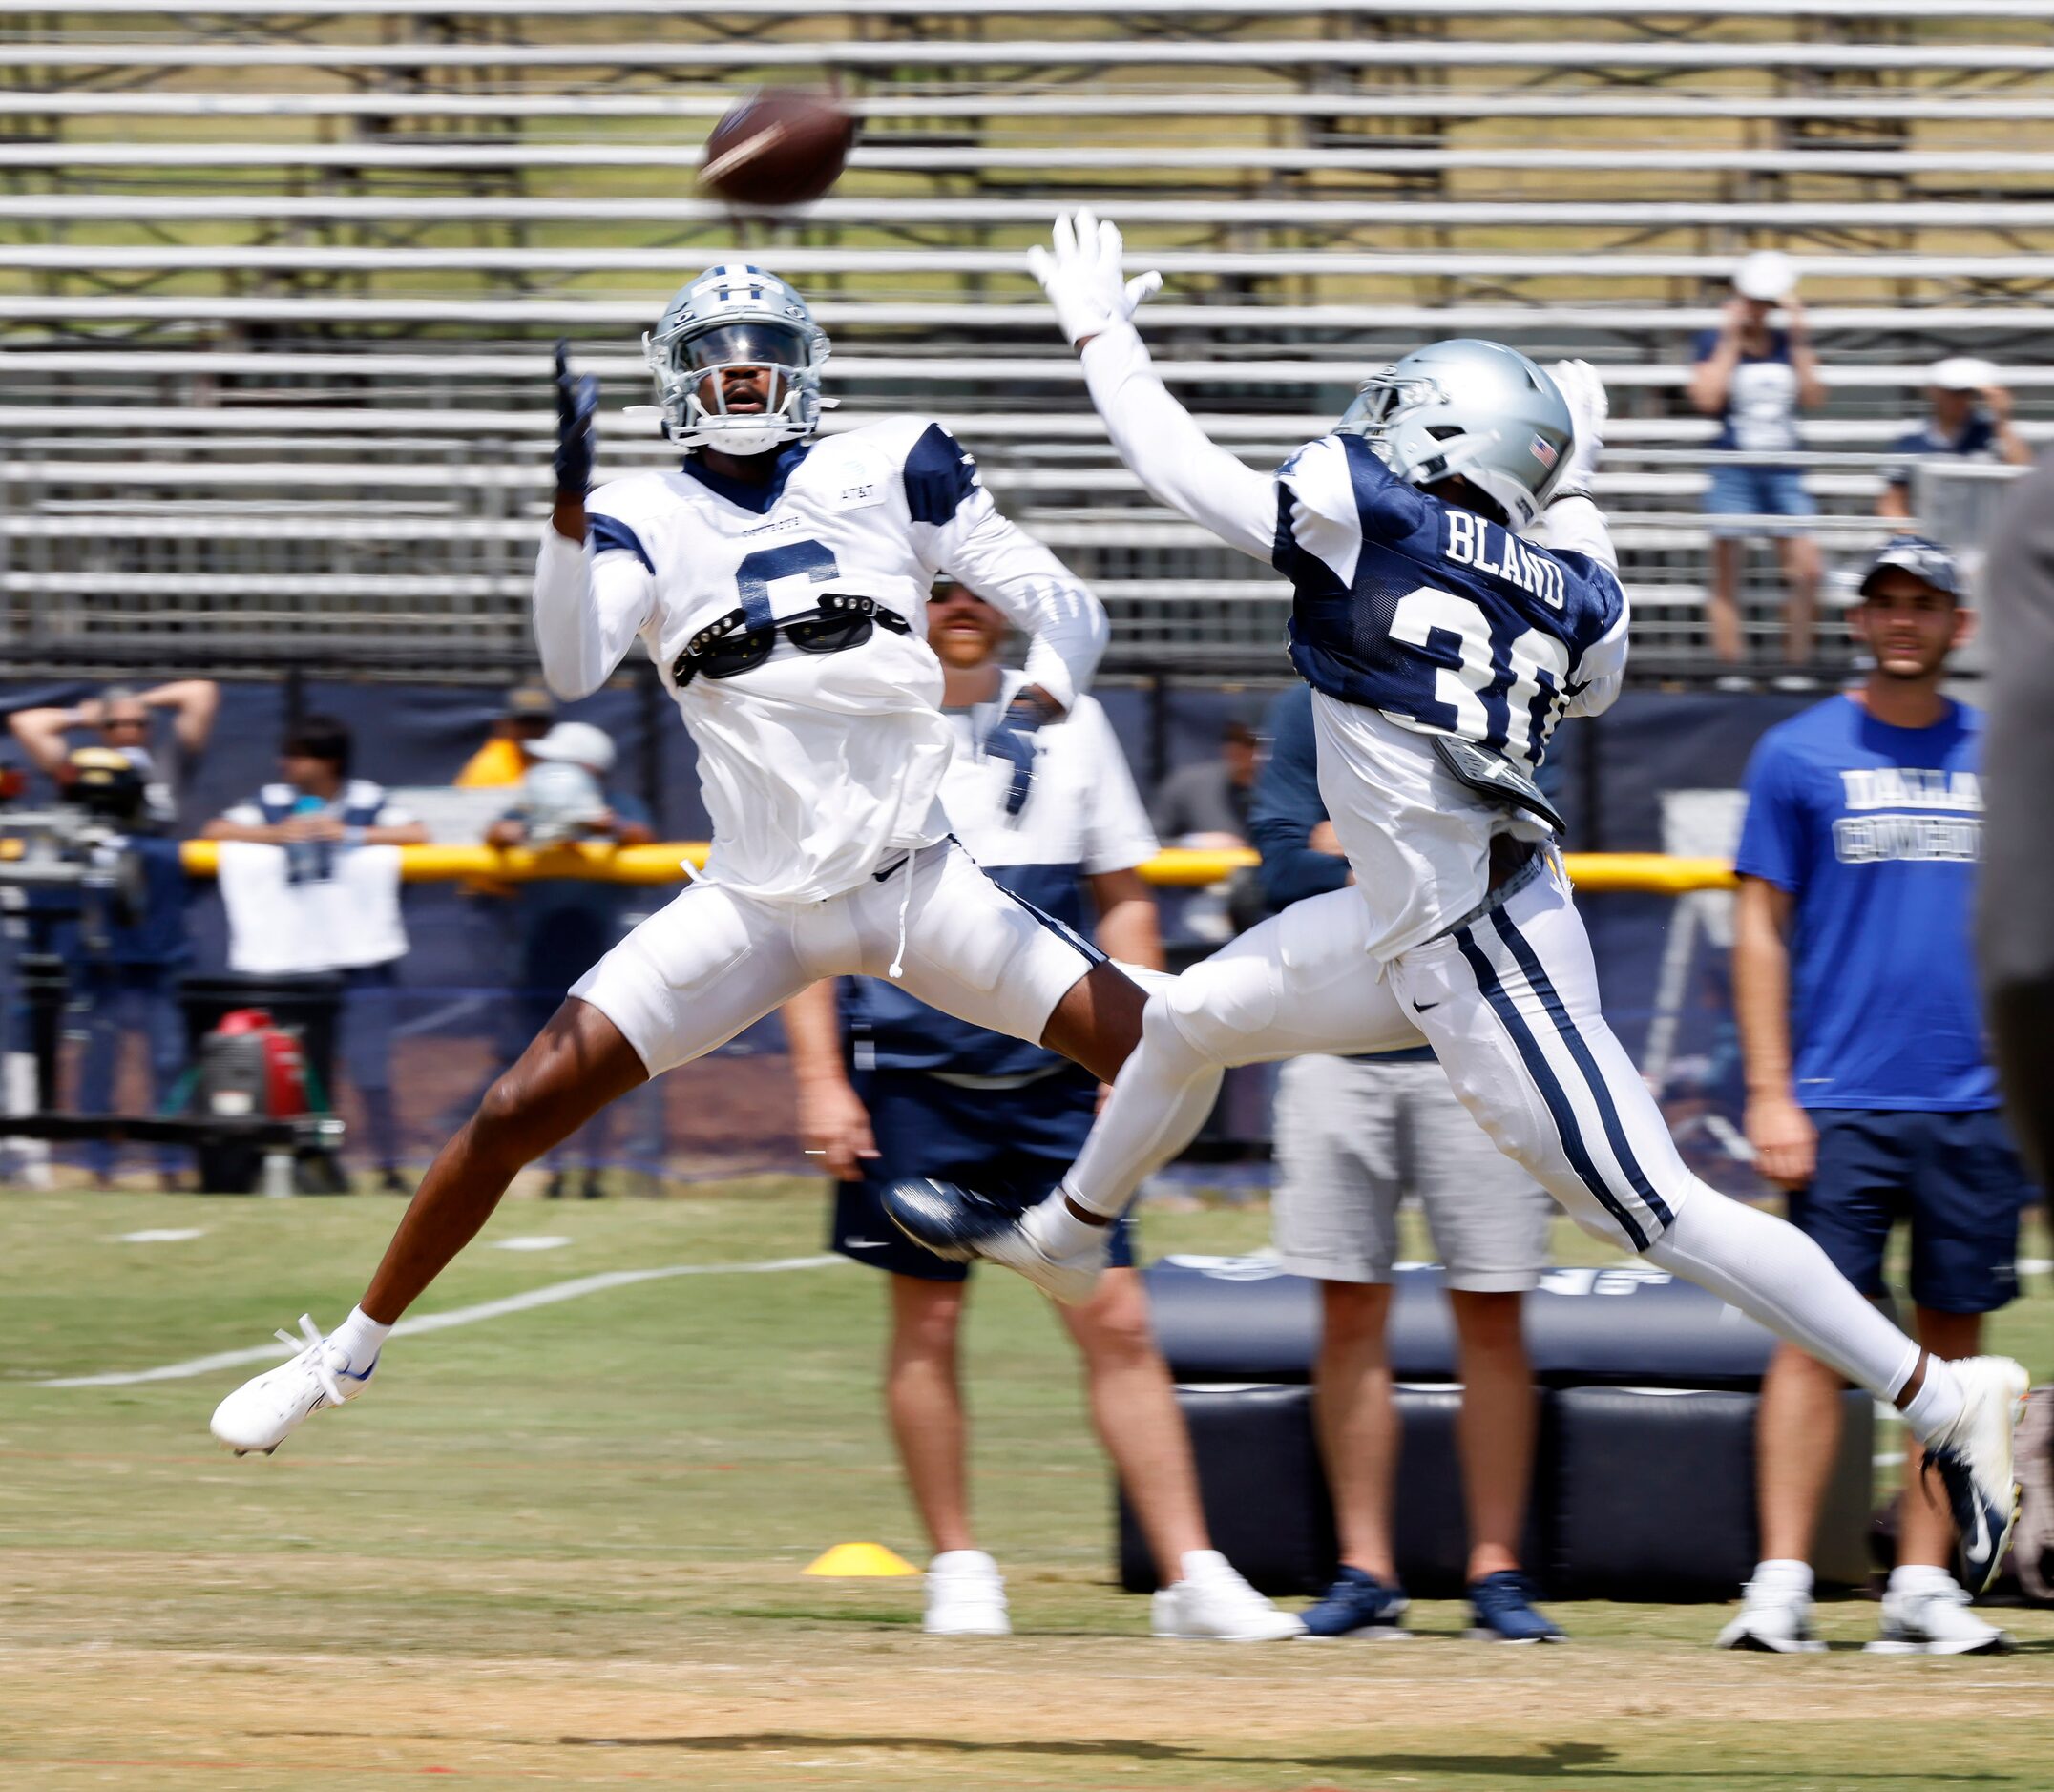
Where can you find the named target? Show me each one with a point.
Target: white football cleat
(1773, 1618)
(1213, 1602)
(1973, 1458)
(267, 1410)
(1934, 1619)
(966, 1596)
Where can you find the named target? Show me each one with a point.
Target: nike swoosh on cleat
(863, 1245)
(1420, 1008)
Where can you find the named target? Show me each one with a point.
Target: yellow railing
(1647, 871)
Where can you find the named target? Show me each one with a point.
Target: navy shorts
(1012, 1145)
(1955, 1176)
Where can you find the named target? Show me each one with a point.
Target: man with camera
(1968, 416)
(124, 719)
(105, 914)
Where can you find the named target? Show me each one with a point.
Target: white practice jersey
(814, 767)
(1409, 618)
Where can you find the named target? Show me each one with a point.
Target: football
(783, 146)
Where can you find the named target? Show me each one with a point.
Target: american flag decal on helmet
(1543, 450)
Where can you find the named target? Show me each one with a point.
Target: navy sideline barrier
(1644, 1478)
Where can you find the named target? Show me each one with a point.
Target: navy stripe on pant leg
(1093, 955)
(1615, 1132)
(1551, 1090)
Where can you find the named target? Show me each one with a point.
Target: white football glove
(1583, 391)
(1081, 274)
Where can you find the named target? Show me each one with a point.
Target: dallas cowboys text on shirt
(1950, 830)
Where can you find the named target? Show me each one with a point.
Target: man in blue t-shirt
(1870, 1094)
(1968, 417)
(1754, 380)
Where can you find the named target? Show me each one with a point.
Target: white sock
(1919, 1577)
(360, 1337)
(1776, 1276)
(1781, 1574)
(1937, 1405)
(1161, 1099)
(1059, 1232)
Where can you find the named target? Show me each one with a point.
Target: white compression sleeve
(587, 611)
(1775, 1275)
(1159, 1099)
(1170, 454)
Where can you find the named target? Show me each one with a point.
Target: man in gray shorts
(1354, 1136)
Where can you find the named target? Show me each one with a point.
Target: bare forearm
(41, 732)
(813, 1035)
(1761, 994)
(1130, 930)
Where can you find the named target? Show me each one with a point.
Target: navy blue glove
(576, 446)
(1011, 739)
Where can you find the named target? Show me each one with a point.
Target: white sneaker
(265, 1411)
(966, 1596)
(1774, 1617)
(1932, 1619)
(1973, 1458)
(1213, 1601)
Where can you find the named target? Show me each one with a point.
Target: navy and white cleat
(1503, 1607)
(269, 1407)
(1973, 1458)
(963, 1226)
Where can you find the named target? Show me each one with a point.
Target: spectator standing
(125, 968)
(1206, 804)
(1968, 416)
(323, 899)
(1353, 1138)
(124, 719)
(1870, 1095)
(566, 925)
(503, 760)
(889, 1090)
(1756, 379)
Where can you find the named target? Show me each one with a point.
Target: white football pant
(1509, 1003)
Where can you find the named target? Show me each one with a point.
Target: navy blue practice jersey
(1442, 620)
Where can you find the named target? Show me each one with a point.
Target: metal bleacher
(280, 284)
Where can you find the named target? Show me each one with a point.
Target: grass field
(561, 1547)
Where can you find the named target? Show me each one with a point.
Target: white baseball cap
(1962, 373)
(576, 743)
(1767, 275)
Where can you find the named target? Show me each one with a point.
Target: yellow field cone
(859, 1561)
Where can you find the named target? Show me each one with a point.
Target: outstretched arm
(1167, 451)
(595, 588)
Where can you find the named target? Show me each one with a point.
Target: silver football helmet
(736, 316)
(1472, 408)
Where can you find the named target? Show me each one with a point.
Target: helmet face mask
(1474, 410)
(730, 322)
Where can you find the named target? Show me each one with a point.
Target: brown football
(783, 146)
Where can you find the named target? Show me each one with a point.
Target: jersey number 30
(1496, 696)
